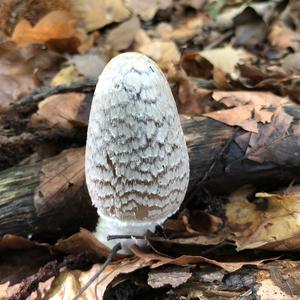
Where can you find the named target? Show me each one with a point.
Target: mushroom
(137, 164)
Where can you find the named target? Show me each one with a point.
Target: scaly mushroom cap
(137, 165)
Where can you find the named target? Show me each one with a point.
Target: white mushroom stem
(111, 226)
(137, 166)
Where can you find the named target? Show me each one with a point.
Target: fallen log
(49, 199)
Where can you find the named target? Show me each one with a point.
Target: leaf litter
(234, 63)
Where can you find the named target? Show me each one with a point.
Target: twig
(222, 38)
(128, 236)
(216, 247)
(39, 94)
(30, 284)
(114, 250)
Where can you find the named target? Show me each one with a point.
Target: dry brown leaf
(238, 98)
(183, 32)
(12, 11)
(123, 35)
(141, 38)
(87, 42)
(226, 18)
(60, 111)
(193, 241)
(249, 109)
(96, 14)
(195, 65)
(269, 134)
(291, 63)
(163, 52)
(184, 260)
(55, 25)
(12, 242)
(237, 116)
(250, 28)
(198, 221)
(267, 289)
(82, 242)
(190, 99)
(68, 283)
(226, 58)
(22, 69)
(221, 81)
(66, 75)
(262, 115)
(282, 37)
(23, 258)
(194, 222)
(274, 228)
(88, 65)
(147, 9)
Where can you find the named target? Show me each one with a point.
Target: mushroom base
(109, 227)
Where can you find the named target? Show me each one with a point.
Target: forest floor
(234, 70)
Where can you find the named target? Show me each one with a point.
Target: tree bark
(49, 199)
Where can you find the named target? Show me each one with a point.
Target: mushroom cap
(137, 164)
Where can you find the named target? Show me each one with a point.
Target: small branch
(30, 284)
(37, 95)
(128, 236)
(218, 41)
(114, 250)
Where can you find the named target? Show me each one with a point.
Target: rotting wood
(58, 203)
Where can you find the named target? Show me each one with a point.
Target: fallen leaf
(195, 65)
(69, 283)
(272, 225)
(23, 69)
(141, 38)
(237, 116)
(89, 65)
(183, 32)
(66, 76)
(147, 9)
(250, 28)
(184, 260)
(55, 25)
(195, 243)
(95, 14)
(285, 276)
(221, 80)
(282, 37)
(163, 52)
(238, 98)
(12, 242)
(23, 258)
(262, 115)
(121, 37)
(291, 63)
(268, 134)
(87, 42)
(26, 10)
(59, 111)
(226, 58)
(226, 18)
(198, 221)
(82, 242)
